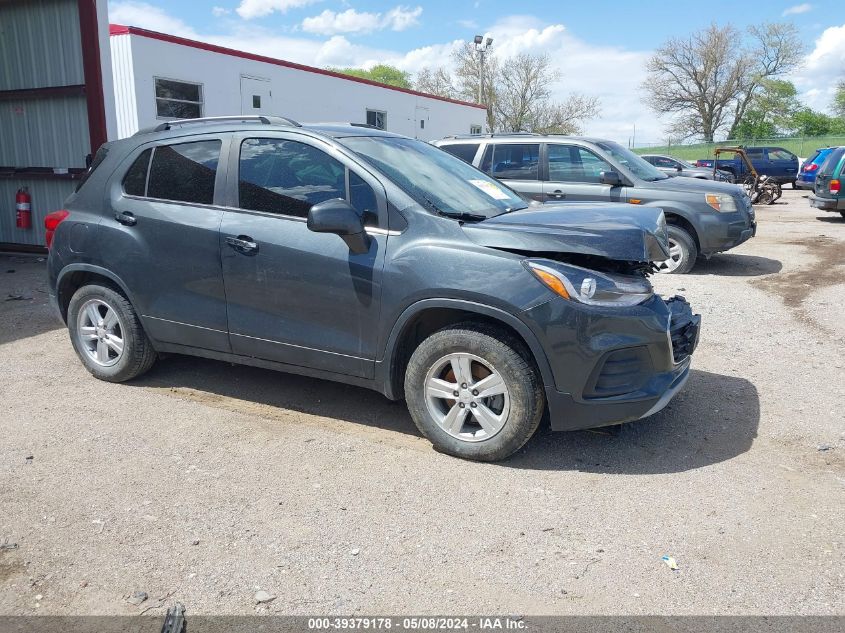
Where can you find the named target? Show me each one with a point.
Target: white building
(159, 77)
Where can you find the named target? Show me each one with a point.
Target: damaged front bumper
(627, 364)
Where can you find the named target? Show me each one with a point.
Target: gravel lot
(204, 483)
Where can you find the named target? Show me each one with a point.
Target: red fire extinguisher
(23, 207)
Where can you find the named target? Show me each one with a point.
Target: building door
(256, 96)
(421, 123)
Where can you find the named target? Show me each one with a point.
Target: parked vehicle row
(703, 217)
(356, 255)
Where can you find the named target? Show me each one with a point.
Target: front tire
(474, 392)
(107, 335)
(682, 252)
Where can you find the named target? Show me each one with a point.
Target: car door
(574, 174)
(517, 165)
(295, 296)
(162, 238)
(783, 164)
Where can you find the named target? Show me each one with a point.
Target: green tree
(807, 122)
(770, 111)
(839, 100)
(381, 73)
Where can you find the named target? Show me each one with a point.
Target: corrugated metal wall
(44, 132)
(47, 196)
(124, 85)
(40, 47)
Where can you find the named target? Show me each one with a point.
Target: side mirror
(338, 217)
(679, 168)
(611, 178)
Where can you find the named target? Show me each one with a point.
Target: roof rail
(492, 135)
(245, 118)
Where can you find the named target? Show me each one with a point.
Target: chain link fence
(799, 145)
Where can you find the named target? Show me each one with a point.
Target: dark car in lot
(356, 255)
(809, 170)
(704, 217)
(672, 166)
(828, 194)
(777, 163)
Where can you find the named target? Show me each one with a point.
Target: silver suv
(704, 217)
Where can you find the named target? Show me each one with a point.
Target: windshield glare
(435, 179)
(640, 167)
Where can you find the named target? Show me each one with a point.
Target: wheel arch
(425, 317)
(74, 276)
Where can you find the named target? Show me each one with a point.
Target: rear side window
(516, 161)
(184, 172)
(135, 180)
(464, 151)
(754, 153)
(832, 162)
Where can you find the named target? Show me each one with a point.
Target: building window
(178, 99)
(475, 129)
(377, 118)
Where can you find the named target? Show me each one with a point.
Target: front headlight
(589, 286)
(721, 202)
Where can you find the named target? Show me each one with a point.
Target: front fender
(387, 365)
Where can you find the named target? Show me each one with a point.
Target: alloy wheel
(99, 331)
(467, 397)
(676, 257)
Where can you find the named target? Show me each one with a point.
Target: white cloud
(823, 67)
(468, 24)
(134, 13)
(402, 18)
(249, 9)
(220, 11)
(351, 21)
(798, 9)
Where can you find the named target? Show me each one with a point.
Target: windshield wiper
(458, 215)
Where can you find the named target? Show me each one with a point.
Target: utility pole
(482, 46)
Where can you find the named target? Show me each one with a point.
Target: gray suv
(351, 254)
(704, 217)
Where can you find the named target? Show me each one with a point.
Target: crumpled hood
(615, 231)
(696, 185)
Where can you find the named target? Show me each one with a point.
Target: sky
(599, 47)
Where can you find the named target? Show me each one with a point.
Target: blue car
(807, 174)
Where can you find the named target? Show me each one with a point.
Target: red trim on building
(93, 73)
(43, 93)
(119, 29)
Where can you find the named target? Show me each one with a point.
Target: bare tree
(517, 92)
(708, 79)
(436, 81)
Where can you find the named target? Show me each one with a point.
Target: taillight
(834, 186)
(51, 222)
(811, 167)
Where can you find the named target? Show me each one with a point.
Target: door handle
(126, 218)
(557, 194)
(243, 244)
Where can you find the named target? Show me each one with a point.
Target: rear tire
(107, 335)
(472, 425)
(683, 252)
(842, 213)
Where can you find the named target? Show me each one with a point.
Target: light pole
(482, 46)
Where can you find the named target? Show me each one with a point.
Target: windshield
(434, 178)
(636, 165)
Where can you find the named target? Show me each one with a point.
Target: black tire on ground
(842, 213)
(510, 359)
(138, 354)
(795, 184)
(689, 250)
